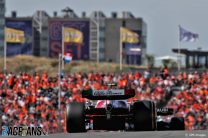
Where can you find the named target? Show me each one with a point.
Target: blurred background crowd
(32, 100)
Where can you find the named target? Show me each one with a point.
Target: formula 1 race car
(113, 112)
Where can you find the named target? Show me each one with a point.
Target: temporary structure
(166, 58)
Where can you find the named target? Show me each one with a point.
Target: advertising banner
(16, 30)
(133, 51)
(15, 36)
(79, 49)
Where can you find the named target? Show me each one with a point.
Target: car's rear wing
(110, 94)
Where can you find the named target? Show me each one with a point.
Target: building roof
(191, 52)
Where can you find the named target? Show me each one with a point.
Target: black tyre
(161, 125)
(177, 123)
(75, 117)
(144, 116)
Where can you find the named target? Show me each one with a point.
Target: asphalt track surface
(116, 134)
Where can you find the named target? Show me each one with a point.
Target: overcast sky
(162, 17)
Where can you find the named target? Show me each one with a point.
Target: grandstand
(31, 99)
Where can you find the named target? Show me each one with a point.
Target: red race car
(109, 110)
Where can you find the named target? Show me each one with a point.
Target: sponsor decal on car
(111, 92)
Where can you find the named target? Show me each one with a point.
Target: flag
(187, 36)
(73, 35)
(67, 57)
(14, 35)
(128, 36)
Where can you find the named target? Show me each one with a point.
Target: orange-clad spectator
(185, 76)
(75, 90)
(24, 110)
(120, 83)
(97, 86)
(21, 115)
(33, 99)
(38, 107)
(142, 81)
(43, 114)
(137, 75)
(87, 87)
(131, 77)
(152, 80)
(6, 108)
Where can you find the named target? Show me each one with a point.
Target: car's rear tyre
(75, 117)
(144, 116)
(177, 123)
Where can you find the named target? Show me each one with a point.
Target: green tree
(150, 60)
(169, 63)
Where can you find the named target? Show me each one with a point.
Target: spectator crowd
(32, 100)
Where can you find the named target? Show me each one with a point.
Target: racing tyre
(177, 123)
(144, 116)
(75, 117)
(161, 125)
